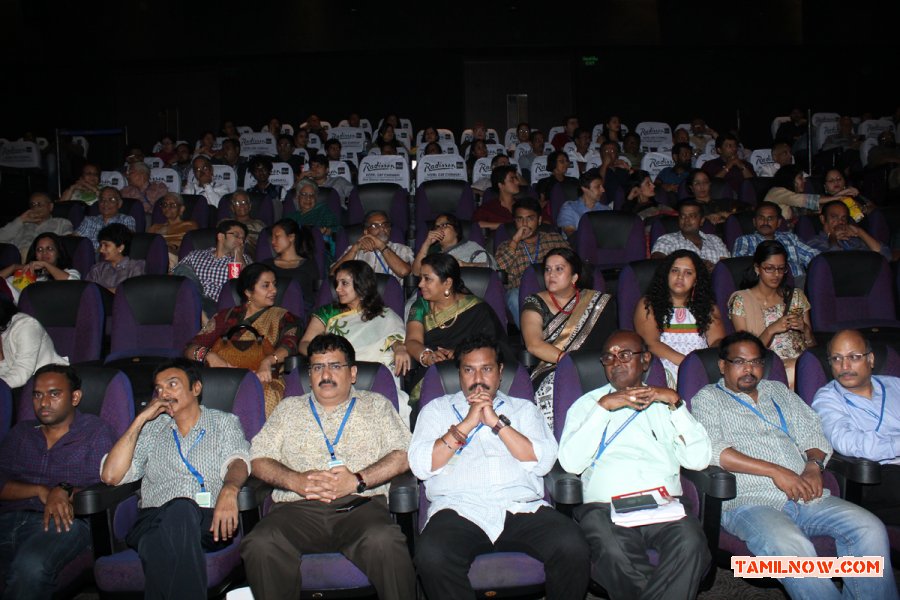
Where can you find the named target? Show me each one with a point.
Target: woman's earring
(446, 293)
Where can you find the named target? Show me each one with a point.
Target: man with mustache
(861, 417)
(330, 455)
(623, 438)
(376, 250)
(773, 443)
(482, 455)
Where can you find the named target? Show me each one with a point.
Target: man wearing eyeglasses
(330, 455)
(774, 444)
(628, 437)
(376, 250)
(203, 183)
(861, 417)
(109, 204)
(38, 219)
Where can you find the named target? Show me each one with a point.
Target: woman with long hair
(772, 310)
(678, 314)
(292, 246)
(47, 260)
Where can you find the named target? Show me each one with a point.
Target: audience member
(25, 346)
(375, 248)
(670, 178)
(709, 247)
(781, 157)
(728, 165)
(570, 124)
(789, 192)
(261, 168)
(46, 260)
(110, 202)
(795, 131)
(284, 149)
(715, 210)
(318, 173)
(631, 149)
(536, 143)
(293, 251)
(24, 229)
(204, 184)
(115, 265)
(498, 211)
(174, 227)
(182, 164)
(767, 222)
(141, 188)
(231, 157)
(312, 213)
(240, 211)
(446, 236)
(701, 134)
(838, 233)
(592, 192)
(844, 138)
(87, 188)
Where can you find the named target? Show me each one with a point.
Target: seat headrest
(220, 387)
(611, 228)
(853, 273)
(152, 298)
(55, 303)
(476, 279)
(94, 382)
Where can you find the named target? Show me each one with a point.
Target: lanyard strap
(193, 471)
(537, 251)
(474, 431)
(783, 426)
(604, 444)
(384, 266)
(880, 417)
(340, 431)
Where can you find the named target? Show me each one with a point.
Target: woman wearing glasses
(772, 310)
(315, 214)
(446, 237)
(256, 335)
(174, 228)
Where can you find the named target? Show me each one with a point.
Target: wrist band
(200, 353)
(457, 435)
(445, 442)
(559, 356)
(422, 355)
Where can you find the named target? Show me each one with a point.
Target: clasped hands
(326, 486)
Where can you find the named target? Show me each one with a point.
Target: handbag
(243, 350)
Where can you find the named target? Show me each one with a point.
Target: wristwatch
(677, 405)
(819, 463)
(68, 487)
(362, 485)
(502, 421)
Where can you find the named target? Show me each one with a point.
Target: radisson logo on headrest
(439, 165)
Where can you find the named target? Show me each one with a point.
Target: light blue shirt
(484, 481)
(849, 420)
(799, 254)
(572, 211)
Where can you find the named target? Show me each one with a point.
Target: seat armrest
(564, 487)
(101, 497)
(253, 493)
(527, 359)
(856, 470)
(713, 481)
(403, 494)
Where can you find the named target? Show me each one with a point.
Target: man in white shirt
(627, 437)
(375, 248)
(483, 478)
(203, 183)
(38, 219)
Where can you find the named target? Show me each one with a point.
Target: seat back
(73, 211)
(849, 287)
(485, 283)
(152, 249)
(654, 162)
(198, 239)
(6, 409)
(288, 296)
(814, 371)
(443, 378)
(737, 225)
(726, 279)
(154, 315)
(611, 239)
(72, 314)
(633, 282)
(371, 376)
(654, 134)
(81, 252)
(169, 177)
(387, 197)
(237, 391)
(701, 367)
(562, 192)
(384, 169)
(9, 255)
(439, 196)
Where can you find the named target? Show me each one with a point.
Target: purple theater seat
(9, 255)
(154, 315)
(611, 239)
(562, 192)
(850, 289)
(387, 197)
(370, 376)
(81, 252)
(73, 211)
(737, 225)
(152, 249)
(349, 234)
(633, 282)
(6, 409)
(485, 283)
(435, 197)
(72, 314)
(198, 239)
(288, 296)
(388, 288)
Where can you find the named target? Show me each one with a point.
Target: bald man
(860, 415)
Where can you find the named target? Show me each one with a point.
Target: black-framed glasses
(773, 269)
(623, 356)
(740, 362)
(441, 225)
(856, 357)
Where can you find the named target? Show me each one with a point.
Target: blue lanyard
(340, 431)
(880, 417)
(537, 251)
(474, 431)
(604, 444)
(189, 466)
(783, 427)
(386, 268)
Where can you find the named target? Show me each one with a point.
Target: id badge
(203, 499)
(335, 462)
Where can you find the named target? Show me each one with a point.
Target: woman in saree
(563, 318)
(315, 214)
(444, 315)
(256, 335)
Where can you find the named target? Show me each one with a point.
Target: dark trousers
(171, 539)
(883, 500)
(367, 536)
(619, 555)
(449, 544)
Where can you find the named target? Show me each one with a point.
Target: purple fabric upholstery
(5, 409)
(807, 227)
(288, 296)
(435, 197)
(197, 239)
(701, 367)
(152, 249)
(9, 255)
(154, 315)
(850, 289)
(388, 288)
(560, 193)
(371, 376)
(389, 197)
(81, 251)
(333, 572)
(813, 371)
(737, 225)
(632, 285)
(72, 314)
(196, 209)
(485, 283)
(611, 239)
(73, 211)
(505, 570)
(237, 391)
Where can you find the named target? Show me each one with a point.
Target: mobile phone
(633, 503)
(354, 504)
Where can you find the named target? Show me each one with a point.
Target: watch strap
(502, 421)
(361, 483)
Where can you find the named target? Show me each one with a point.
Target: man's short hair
(333, 142)
(579, 130)
(680, 146)
(204, 159)
(767, 204)
(236, 143)
(499, 174)
(724, 138)
(115, 192)
(41, 195)
(527, 203)
(476, 342)
(535, 133)
(67, 370)
(329, 342)
(632, 134)
(688, 202)
(186, 145)
(496, 158)
(140, 167)
(188, 367)
(778, 143)
(118, 235)
(834, 205)
(285, 137)
(588, 177)
(225, 226)
(736, 338)
(320, 159)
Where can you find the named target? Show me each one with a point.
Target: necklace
(560, 308)
(765, 300)
(452, 321)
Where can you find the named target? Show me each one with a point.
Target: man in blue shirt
(671, 178)
(592, 192)
(861, 417)
(767, 220)
(838, 233)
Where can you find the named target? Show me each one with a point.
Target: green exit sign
(589, 61)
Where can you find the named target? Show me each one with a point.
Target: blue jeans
(512, 304)
(32, 557)
(856, 532)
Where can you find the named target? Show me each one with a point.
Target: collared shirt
(570, 212)
(74, 458)
(292, 437)
(822, 243)
(107, 275)
(670, 176)
(713, 248)
(379, 263)
(732, 425)
(212, 271)
(646, 454)
(515, 259)
(213, 192)
(799, 254)
(92, 225)
(849, 420)
(165, 476)
(21, 234)
(484, 481)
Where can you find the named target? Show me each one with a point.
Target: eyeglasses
(112, 200)
(837, 360)
(380, 225)
(769, 269)
(623, 356)
(308, 194)
(319, 368)
(239, 203)
(237, 236)
(441, 225)
(169, 204)
(201, 169)
(740, 362)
